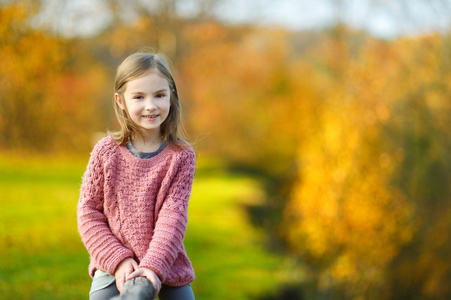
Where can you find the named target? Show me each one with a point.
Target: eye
(138, 97)
(160, 95)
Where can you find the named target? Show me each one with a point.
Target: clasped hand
(129, 269)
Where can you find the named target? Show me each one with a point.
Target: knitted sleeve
(105, 249)
(172, 220)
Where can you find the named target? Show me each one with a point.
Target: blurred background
(322, 130)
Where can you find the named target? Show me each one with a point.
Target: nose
(150, 105)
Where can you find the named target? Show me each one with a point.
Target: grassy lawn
(43, 257)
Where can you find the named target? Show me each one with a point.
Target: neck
(147, 143)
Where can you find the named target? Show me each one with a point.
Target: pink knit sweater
(133, 207)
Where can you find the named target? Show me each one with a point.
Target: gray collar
(144, 155)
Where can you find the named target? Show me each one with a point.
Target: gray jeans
(166, 293)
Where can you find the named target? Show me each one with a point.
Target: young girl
(132, 212)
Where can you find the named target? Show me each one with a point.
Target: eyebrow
(162, 90)
(140, 92)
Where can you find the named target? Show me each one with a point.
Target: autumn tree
(47, 103)
(421, 269)
(368, 213)
(350, 133)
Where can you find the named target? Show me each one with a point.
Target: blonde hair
(134, 67)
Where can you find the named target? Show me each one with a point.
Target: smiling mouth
(150, 116)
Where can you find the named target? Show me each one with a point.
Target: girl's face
(147, 99)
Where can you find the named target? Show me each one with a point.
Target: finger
(135, 265)
(128, 273)
(118, 285)
(134, 274)
(156, 283)
(158, 288)
(151, 277)
(120, 281)
(157, 291)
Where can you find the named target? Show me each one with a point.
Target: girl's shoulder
(103, 146)
(182, 149)
(105, 142)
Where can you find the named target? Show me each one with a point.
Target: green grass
(42, 256)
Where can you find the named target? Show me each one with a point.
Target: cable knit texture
(133, 207)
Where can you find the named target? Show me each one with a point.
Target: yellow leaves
(206, 33)
(122, 41)
(12, 17)
(346, 212)
(265, 99)
(44, 100)
(240, 87)
(345, 216)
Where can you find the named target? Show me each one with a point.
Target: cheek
(133, 108)
(168, 106)
(167, 110)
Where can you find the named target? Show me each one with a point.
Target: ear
(119, 101)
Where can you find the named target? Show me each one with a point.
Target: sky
(382, 18)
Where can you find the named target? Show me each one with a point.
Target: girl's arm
(172, 220)
(105, 249)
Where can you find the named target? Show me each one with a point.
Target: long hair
(135, 66)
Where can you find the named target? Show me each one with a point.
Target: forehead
(149, 81)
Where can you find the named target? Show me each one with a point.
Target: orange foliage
(44, 101)
(346, 217)
(240, 87)
(364, 123)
